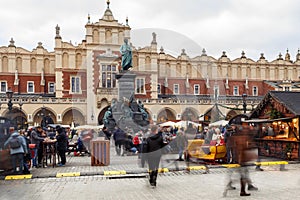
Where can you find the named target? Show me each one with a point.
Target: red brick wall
(66, 83)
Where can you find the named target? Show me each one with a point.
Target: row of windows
(30, 87)
(176, 90)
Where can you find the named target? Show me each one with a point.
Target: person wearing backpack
(18, 149)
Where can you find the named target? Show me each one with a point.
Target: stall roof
(290, 100)
(267, 120)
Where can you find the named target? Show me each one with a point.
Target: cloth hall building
(76, 83)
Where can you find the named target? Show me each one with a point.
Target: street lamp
(244, 102)
(21, 104)
(9, 94)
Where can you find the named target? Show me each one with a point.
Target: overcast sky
(255, 26)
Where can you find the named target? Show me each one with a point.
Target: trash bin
(100, 152)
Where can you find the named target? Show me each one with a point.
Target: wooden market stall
(277, 121)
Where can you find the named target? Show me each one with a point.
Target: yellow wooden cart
(208, 153)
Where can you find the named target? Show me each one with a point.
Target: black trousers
(62, 155)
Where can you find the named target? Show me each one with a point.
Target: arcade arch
(73, 115)
(166, 114)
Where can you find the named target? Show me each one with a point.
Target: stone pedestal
(126, 112)
(126, 85)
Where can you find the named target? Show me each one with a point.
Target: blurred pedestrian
(182, 142)
(18, 148)
(119, 137)
(230, 131)
(242, 146)
(62, 143)
(155, 143)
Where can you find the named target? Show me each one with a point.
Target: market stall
(276, 119)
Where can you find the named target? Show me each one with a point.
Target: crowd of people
(149, 145)
(27, 147)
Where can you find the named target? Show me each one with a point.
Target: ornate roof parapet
(203, 52)
(224, 54)
(108, 16)
(89, 19)
(280, 57)
(243, 55)
(57, 30)
(287, 56)
(298, 55)
(11, 43)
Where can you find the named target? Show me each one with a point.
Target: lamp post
(9, 94)
(189, 116)
(21, 104)
(244, 102)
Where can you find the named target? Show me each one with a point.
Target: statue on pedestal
(126, 53)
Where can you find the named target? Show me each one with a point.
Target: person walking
(155, 143)
(182, 142)
(119, 137)
(241, 145)
(18, 148)
(37, 139)
(61, 145)
(230, 131)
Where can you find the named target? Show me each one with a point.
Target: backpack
(15, 143)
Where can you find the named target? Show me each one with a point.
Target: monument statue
(126, 53)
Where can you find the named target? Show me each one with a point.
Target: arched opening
(108, 37)
(17, 117)
(44, 117)
(78, 60)
(231, 114)
(96, 36)
(47, 66)
(101, 115)
(166, 114)
(73, 116)
(65, 60)
(148, 63)
(189, 115)
(4, 64)
(19, 64)
(33, 67)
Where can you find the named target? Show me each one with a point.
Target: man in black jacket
(155, 144)
(61, 144)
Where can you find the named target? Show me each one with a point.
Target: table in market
(49, 151)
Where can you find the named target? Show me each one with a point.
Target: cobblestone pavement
(177, 184)
(272, 184)
(130, 164)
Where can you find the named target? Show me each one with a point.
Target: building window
(3, 86)
(158, 88)
(140, 86)
(75, 84)
(286, 88)
(216, 92)
(109, 76)
(30, 87)
(51, 88)
(176, 89)
(236, 90)
(196, 89)
(255, 91)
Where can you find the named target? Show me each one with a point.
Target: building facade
(76, 83)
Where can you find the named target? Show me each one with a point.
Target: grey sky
(254, 26)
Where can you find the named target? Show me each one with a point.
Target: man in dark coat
(119, 137)
(37, 138)
(155, 144)
(61, 144)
